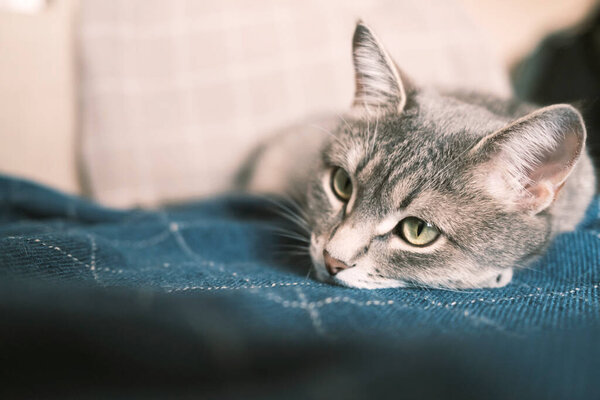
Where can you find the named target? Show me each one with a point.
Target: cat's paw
(499, 279)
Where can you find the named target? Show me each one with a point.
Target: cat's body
(419, 187)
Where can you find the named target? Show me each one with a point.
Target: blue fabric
(214, 275)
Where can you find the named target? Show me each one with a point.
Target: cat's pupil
(420, 226)
(416, 231)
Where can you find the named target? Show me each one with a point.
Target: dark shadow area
(565, 68)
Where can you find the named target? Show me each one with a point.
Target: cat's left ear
(532, 158)
(379, 82)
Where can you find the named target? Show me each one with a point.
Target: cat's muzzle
(333, 265)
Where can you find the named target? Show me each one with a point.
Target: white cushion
(175, 94)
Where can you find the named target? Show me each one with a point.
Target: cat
(421, 187)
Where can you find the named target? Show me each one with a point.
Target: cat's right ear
(379, 82)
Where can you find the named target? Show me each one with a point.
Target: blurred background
(140, 102)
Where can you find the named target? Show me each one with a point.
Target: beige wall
(37, 76)
(516, 26)
(37, 96)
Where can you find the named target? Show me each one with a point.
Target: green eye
(417, 232)
(341, 184)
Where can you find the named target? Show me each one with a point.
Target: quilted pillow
(174, 94)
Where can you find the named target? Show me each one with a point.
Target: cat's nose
(333, 265)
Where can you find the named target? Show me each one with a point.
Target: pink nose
(333, 265)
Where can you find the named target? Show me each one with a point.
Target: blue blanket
(205, 298)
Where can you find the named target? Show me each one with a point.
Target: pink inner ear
(540, 196)
(555, 164)
(550, 172)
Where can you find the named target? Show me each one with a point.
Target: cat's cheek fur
(467, 278)
(479, 277)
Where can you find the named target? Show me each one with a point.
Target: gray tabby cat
(417, 187)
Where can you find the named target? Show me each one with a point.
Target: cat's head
(420, 188)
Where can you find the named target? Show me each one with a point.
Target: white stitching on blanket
(517, 297)
(197, 261)
(174, 228)
(326, 301)
(313, 312)
(225, 287)
(93, 257)
(71, 256)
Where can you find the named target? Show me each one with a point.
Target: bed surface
(201, 298)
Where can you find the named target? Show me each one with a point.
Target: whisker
(296, 237)
(331, 134)
(292, 252)
(298, 212)
(289, 214)
(292, 246)
(345, 122)
(310, 268)
(282, 231)
(530, 268)
(296, 220)
(299, 209)
(297, 223)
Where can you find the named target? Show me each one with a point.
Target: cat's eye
(417, 232)
(341, 184)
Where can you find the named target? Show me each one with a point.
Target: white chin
(369, 284)
(354, 279)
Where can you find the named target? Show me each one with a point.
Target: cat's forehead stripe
(383, 175)
(371, 166)
(363, 164)
(409, 198)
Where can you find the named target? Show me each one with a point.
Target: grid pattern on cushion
(174, 94)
